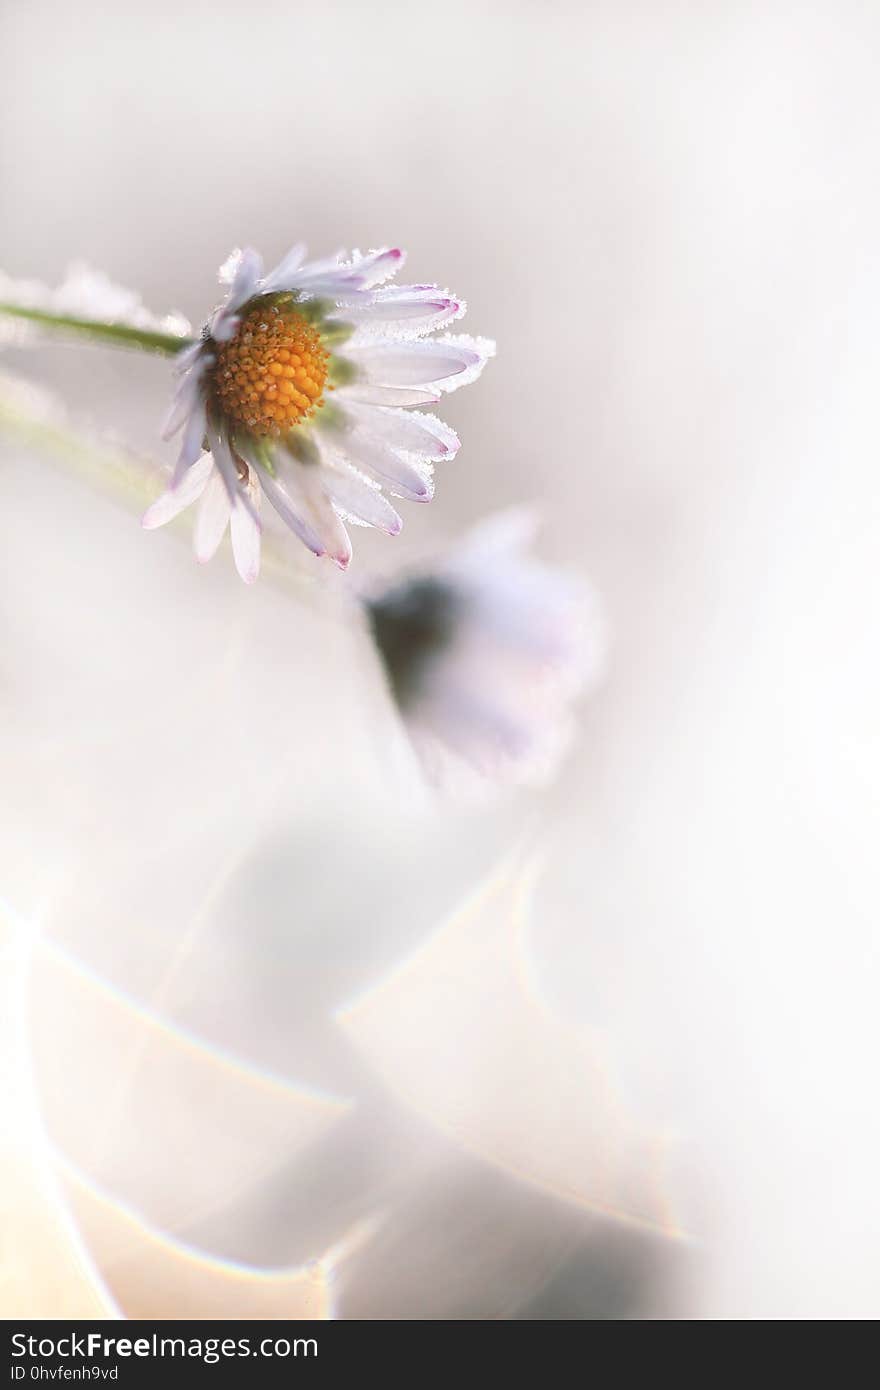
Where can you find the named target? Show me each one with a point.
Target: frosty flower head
(485, 653)
(302, 388)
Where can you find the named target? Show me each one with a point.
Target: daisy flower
(302, 387)
(485, 653)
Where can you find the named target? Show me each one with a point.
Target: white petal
(186, 394)
(225, 461)
(408, 303)
(191, 443)
(359, 499)
(245, 280)
(414, 363)
(388, 395)
(327, 265)
(227, 271)
(405, 311)
(290, 511)
(402, 477)
(224, 326)
(329, 278)
(281, 277)
(341, 291)
(411, 431)
(482, 348)
(226, 321)
(379, 266)
(299, 495)
(246, 541)
(174, 500)
(212, 519)
(332, 529)
(308, 481)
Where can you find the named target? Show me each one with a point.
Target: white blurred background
(637, 1076)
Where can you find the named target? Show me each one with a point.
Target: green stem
(117, 334)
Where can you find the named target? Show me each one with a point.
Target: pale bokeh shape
(458, 1030)
(154, 1276)
(148, 1111)
(69, 1250)
(45, 1271)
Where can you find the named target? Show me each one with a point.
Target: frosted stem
(115, 334)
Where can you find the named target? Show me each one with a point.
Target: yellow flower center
(273, 372)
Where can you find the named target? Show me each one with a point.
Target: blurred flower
(300, 387)
(485, 652)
